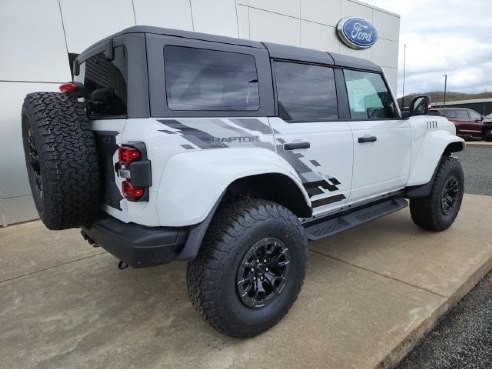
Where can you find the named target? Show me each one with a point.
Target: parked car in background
(469, 124)
(487, 128)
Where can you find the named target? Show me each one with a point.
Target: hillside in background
(437, 96)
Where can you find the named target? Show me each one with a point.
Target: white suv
(231, 154)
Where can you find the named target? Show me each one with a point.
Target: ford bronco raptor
(231, 155)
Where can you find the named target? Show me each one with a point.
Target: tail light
(76, 89)
(134, 167)
(132, 193)
(128, 155)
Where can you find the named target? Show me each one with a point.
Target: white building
(36, 37)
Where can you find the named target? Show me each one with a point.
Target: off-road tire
(211, 276)
(65, 177)
(427, 212)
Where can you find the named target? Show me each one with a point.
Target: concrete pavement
(369, 295)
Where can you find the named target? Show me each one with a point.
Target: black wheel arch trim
(197, 233)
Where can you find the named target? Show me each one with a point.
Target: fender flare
(193, 182)
(434, 146)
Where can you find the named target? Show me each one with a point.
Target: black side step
(324, 227)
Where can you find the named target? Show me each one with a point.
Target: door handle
(297, 145)
(367, 139)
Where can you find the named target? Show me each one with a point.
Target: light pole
(445, 86)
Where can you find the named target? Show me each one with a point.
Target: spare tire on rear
(61, 159)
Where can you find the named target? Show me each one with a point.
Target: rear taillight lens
(68, 88)
(132, 193)
(128, 155)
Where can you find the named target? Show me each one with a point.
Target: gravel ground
(463, 337)
(477, 164)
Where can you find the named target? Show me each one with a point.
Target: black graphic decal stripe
(311, 186)
(204, 140)
(313, 191)
(254, 125)
(201, 139)
(328, 200)
(293, 160)
(243, 134)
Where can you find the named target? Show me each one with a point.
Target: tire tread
(230, 222)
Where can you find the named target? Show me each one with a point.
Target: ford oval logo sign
(357, 33)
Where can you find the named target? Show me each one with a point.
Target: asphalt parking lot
(463, 337)
(477, 164)
(369, 296)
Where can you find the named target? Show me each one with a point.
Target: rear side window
(106, 84)
(210, 80)
(305, 92)
(450, 113)
(369, 98)
(462, 114)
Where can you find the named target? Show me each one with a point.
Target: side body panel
(193, 161)
(325, 168)
(384, 165)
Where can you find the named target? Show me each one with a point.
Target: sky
(452, 37)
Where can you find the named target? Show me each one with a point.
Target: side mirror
(419, 105)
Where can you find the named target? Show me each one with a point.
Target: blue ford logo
(357, 33)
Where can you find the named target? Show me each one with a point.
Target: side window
(462, 114)
(474, 115)
(450, 113)
(368, 96)
(305, 92)
(201, 79)
(105, 81)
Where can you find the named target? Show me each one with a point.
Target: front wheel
(438, 211)
(250, 268)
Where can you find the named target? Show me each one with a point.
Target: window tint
(105, 81)
(474, 115)
(368, 96)
(450, 113)
(462, 114)
(305, 92)
(200, 79)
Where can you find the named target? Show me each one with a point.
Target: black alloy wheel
(35, 167)
(449, 195)
(263, 272)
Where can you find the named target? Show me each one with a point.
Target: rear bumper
(136, 245)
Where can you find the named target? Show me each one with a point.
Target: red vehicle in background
(469, 123)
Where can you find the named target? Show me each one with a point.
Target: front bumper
(136, 245)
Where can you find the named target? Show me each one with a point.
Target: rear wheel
(250, 268)
(438, 211)
(61, 159)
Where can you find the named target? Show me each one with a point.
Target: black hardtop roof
(275, 50)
